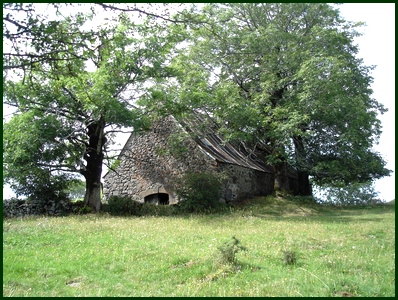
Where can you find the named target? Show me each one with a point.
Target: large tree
(286, 77)
(72, 88)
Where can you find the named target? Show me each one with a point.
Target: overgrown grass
(335, 251)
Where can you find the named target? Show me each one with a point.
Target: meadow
(337, 252)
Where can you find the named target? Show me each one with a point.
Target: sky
(376, 47)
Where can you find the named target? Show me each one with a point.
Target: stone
(147, 170)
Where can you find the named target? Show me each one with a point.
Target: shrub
(228, 251)
(198, 192)
(78, 207)
(121, 206)
(43, 190)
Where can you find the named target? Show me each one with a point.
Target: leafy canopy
(286, 78)
(73, 86)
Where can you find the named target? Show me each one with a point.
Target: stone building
(151, 161)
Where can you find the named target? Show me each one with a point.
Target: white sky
(377, 47)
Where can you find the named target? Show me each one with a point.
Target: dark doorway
(158, 199)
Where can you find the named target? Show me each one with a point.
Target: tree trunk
(94, 157)
(281, 181)
(92, 198)
(304, 186)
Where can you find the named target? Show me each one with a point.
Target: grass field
(338, 252)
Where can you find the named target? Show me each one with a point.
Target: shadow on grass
(281, 209)
(344, 215)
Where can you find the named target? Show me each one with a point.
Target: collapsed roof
(217, 148)
(213, 145)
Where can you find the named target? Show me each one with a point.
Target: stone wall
(20, 208)
(245, 183)
(147, 167)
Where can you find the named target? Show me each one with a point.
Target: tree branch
(105, 6)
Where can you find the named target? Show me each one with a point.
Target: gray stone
(148, 171)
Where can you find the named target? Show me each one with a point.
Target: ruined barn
(151, 161)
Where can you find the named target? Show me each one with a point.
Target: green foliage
(71, 89)
(125, 206)
(115, 164)
(24, 26)
(76, 190)
(228, 250)
(198, 192)
(32, 151)
(177, 144)
(281, 75)
(161, 151)
(79, 208)
(286, 75)
(121, 206)
(43, 189)
(354, 194)
(33, 157)
(51, 189)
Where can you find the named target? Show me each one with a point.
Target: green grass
(336, 250)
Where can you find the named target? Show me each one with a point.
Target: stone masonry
(148, 167)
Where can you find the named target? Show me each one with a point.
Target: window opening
(157, 199)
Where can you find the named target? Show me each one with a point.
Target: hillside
(291, 249)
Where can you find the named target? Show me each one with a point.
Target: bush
(228, 251)
(79, 208)
(199, 192)
(42, 190)
(122, 206)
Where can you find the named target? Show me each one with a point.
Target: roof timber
(217, 148)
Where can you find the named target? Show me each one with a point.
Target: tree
(29, 147)
(31, 38)
(350, 195)
(77, 190)
(66, 112)
(286, 78)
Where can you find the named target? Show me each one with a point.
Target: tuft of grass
(289, 257)
(342, 250)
